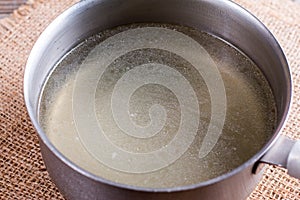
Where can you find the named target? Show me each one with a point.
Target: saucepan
(221, 18)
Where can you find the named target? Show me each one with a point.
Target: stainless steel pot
(221, 18)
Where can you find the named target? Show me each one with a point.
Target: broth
(157, 105)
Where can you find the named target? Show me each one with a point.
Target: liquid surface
(157, 106)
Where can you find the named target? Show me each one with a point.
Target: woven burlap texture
(22, 172)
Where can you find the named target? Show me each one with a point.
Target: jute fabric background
(22, 172)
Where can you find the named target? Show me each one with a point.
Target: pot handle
(285, 153)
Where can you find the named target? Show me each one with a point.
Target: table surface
(7, 6)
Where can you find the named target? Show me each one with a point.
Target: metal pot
(221, 18)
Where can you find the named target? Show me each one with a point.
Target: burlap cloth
(22, 172)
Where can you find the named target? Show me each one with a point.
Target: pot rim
(43, 138)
